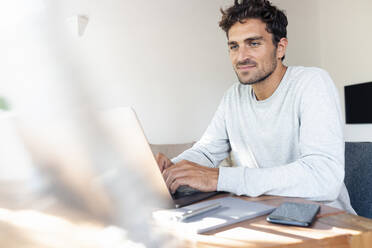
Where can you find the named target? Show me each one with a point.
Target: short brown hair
(275, 19)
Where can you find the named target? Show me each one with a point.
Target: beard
(258, 76)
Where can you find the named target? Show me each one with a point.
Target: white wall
(303, 31)
(167, 58)
(346, 50)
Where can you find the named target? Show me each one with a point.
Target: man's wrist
(228, 179)
(215, 178)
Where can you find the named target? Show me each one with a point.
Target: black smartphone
(294, 214)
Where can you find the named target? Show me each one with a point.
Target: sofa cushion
(170, 150)
(358, 176)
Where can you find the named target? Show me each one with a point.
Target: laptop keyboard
(183, 191)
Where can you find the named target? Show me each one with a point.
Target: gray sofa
(173, 150)
(358, 176)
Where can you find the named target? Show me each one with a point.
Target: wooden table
(333, 228)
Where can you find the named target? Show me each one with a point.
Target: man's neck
(266, 88)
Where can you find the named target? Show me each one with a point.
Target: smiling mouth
(245, 67)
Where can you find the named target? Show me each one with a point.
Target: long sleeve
(318, 171)
(214, 145)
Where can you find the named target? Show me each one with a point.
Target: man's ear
(281, 48)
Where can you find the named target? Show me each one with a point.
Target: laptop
(125, 130)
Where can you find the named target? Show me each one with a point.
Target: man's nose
(243, 53)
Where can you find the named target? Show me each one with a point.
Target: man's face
(252, 52)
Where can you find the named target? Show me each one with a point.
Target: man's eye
(233, 47)
(255, 44)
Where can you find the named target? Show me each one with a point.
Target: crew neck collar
(277, 90)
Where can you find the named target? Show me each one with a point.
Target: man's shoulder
(311, 82)
(302, 72)
(304, 77)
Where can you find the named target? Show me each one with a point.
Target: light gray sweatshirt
(290, 144)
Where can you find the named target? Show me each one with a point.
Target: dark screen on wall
(358, 103)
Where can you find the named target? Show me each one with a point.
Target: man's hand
(163, 161)
(191, 174)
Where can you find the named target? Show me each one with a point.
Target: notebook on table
(231, 210)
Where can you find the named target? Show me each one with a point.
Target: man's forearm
(320, 182)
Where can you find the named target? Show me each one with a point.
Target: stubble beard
(261, 75)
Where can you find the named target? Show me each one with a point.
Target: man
(283, 125)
